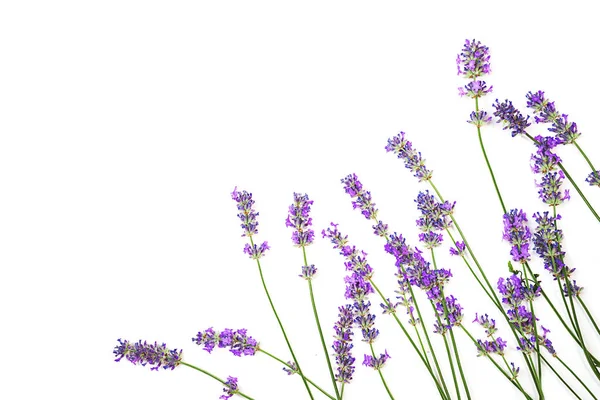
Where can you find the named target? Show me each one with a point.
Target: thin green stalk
(262, 278)
(214, 377)
(314, 308)
(586, 158)
(381, 375)
(587, 311)
(307, 379)
(452, 339)
(535, 330)
(560, 378)
(422, 356)
(576, 376)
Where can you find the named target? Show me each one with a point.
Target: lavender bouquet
(511, 330)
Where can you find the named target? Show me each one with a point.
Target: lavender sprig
(238, 341)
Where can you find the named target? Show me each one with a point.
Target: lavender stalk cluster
(342, 346)
(545, 162)
(474, 62)
(247, 215)
(516, 293)
(545, 112)
(299, 219)
(495, 345)
(435, 218)
(412, 158)
(144, 353)
(547, 242)
(517, 233)
(358, 288)
(417, 272)
(230, 389)
(237, 341)
(511, 118)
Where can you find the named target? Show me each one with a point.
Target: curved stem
(307, 379)
(586, 158)
(214, 377)
(381, 375)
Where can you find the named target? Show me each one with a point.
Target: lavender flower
(474, 59)
(342, 345)
(573, 289)
(547, 241)
(376, 362)
(511, 118)
(486, 347)
(308, 272)
(544, 159)
(593, 178)
(479, 118)
(231, 388)
(353, 187)
(246, 213)
(291, 369)
(518, 234)
(254, 251)
(412, 158)
(488, 324)
(238, 342)
(459, 250)
(144, 353)
(434, 217)
(475, 89)
(355, 260)
(299, 220)
(546, 112)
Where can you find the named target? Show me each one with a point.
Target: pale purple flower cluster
(255, 251)
(473, 62)
(459, 250)
(342, 346)
(593, 178)
(248, 215)
(376, 362)
(474, 59)
(355, 260)
(545, 161)
(291, 369)
(361, 198)
(511, 118)
(516, 293)
(143, 353)
(417, 272)
(545, 112)
(299, 219)
(479, 118)
(517, 233)
(547, 242)
(435, 217)
(412, 158)
(495, 345)
(231, 388)
(238, 341)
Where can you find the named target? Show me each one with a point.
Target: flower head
(593, 178)
(511, 118)
(479, 118)
(475, 89)
(362, 198)
(231, 388)
(518, 234)
(238, 341)
(254, 251)
(546, 112)
(376, 362)
(459, 250)
(246, 211)
(299, 219)
(342, 345)
(144, 353)
(474, 59)
(412, 158)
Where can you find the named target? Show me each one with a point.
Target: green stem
(314, 308)
(214, 377)
(575, 375)
(587, 311)
(381, 375)
(452, 339)
(307, 379)
(262, 278)
(586, 158)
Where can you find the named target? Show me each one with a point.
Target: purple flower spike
(299, 219)
(376, 362)
(342, 345)
(479, 118)
(474, 59)
(412, 158)
(518, 234)
(291, 369)
(308, 272)
(363, 199)
(594, 178)
(231, 388)
(488, 324)
(144, 353)
(459, 250)
(246, 213)
(546, 112)
(256, 252)
(511, 118)
(475, 90)
(238, 342)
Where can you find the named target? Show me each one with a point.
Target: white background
(125, 125)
